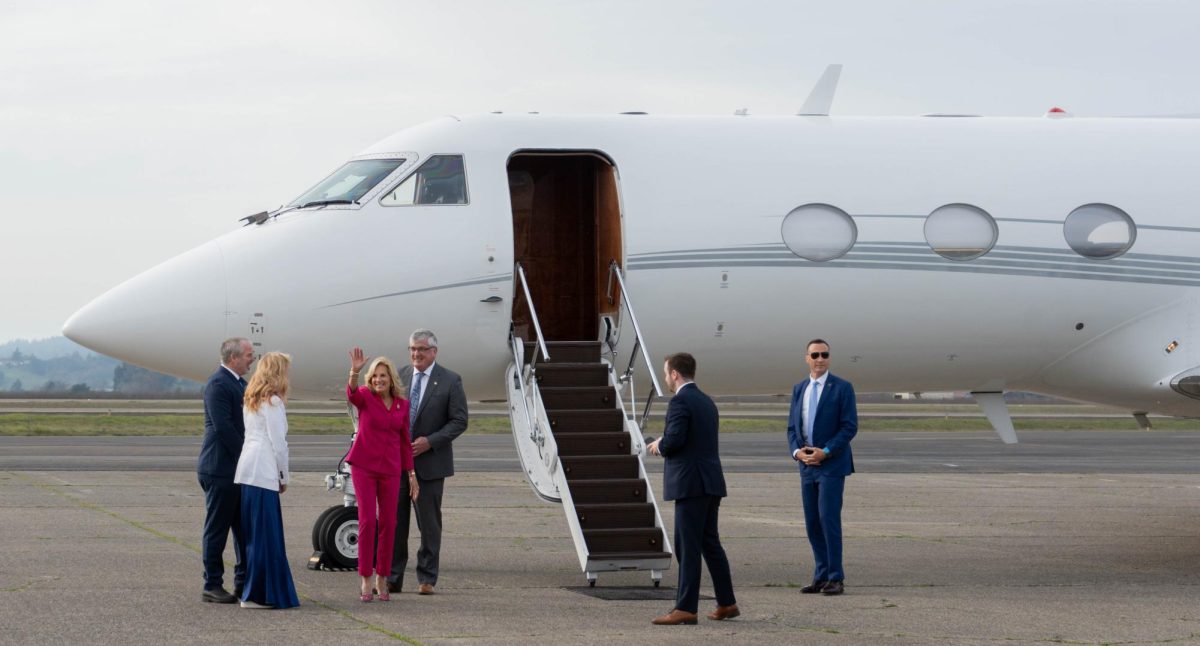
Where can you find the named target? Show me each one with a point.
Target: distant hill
(59, 365)
(48, 348)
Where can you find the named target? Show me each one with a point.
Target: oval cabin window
(1099, 231)
(819, 232)
(960, 231)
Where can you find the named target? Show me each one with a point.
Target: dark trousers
(429, 524)
(823, 520)
(223, 510)
(695, 537)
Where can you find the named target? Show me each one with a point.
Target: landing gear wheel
(657, 583)
(316, 530)
(339, 537)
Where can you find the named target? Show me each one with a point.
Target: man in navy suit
(224, 432)
(693, 478)
(822, 421)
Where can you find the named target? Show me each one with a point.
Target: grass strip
(116, 424)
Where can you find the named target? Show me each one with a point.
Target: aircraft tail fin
(820, 100)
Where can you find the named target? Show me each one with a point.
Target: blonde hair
(270, 378)
(391, 368)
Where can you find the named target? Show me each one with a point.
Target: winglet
(821, 98)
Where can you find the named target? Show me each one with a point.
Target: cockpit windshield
(349, 183)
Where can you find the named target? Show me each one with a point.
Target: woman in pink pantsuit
(380, 456)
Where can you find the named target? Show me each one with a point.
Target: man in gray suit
(438, 414)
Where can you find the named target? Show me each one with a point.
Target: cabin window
(819, 232)
(960, 231)
(1099, 231)
(440, 180)
(350, 182)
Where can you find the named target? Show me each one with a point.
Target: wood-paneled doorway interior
(566, 231)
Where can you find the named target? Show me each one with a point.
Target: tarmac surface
(951, 538)
(887, 452)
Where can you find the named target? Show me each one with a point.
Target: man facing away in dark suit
(224, 432)
(438, 414)
(693, 478)
(822, 421)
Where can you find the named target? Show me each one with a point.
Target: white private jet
(1057, 255)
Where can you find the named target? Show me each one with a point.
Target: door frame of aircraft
(567, 230)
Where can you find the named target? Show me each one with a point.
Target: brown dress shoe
(425, 588)
(724, 612)
(675, 618)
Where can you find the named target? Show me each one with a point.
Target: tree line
(80, 374)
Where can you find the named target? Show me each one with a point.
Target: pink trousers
(377, 494)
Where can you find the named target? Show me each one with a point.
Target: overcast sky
(132, 131)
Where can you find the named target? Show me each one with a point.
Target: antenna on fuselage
(821, 98)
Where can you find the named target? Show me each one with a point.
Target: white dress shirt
(819, 384)
(264, 459)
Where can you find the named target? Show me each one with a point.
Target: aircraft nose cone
(170, 318)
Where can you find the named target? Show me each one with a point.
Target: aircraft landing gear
(335, 539)
(335, 532)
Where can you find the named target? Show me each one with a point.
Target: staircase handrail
(614, 269)
(537, 325)
(535, 434)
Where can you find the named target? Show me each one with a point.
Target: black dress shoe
(217, 595)
(834, 587)
(814, 587)
(394, 587)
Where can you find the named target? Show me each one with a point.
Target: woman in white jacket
(262, 471)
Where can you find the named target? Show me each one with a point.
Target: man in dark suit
(224, 431)
(438, 414)
(693, 478)
(822, 421)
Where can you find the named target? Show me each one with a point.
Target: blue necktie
(414, 402)
(812, 410)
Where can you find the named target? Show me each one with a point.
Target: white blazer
(264, 459)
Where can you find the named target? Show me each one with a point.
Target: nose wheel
(335, 539)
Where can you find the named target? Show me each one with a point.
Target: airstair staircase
(575, 427)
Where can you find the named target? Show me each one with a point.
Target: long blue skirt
(268, 577)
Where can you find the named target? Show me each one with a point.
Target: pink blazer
(382, 444)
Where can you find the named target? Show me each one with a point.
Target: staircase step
(606, 420)
(647, 539)
(572, 444)
(615, 490)
(572, 374)
(615, 515)
(626, 556)
(579, 398)
(566, 351)
(602, 467)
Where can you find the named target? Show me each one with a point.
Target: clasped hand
(812, 456)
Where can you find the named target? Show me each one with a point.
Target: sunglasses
(818, 355)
